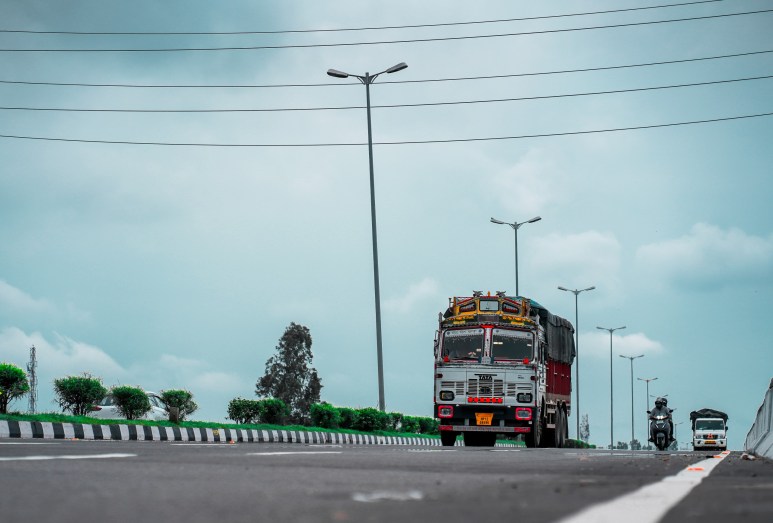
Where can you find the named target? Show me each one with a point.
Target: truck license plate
(710, 442)
(483, 418)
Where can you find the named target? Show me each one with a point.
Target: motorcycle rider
(661, 409)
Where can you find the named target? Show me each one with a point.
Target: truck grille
(456, 386)
(493, 388)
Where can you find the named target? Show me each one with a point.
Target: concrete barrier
(759, 440)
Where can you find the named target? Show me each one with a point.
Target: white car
(106, 409)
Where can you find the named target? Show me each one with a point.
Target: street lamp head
(535, 219)
(562, 288)
(337, 74)
(398, 67)
(500, 222)
(588, 289)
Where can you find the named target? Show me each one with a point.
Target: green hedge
(368, 419)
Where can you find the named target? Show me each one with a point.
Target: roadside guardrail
(759, 440)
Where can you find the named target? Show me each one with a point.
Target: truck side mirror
(649, 412)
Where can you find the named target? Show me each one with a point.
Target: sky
(180, 266)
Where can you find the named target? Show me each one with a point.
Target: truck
(709, 429)
(502, 367)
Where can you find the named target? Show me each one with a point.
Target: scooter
(660, 430)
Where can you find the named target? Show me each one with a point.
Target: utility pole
(33, 378)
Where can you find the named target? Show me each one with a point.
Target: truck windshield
(464, 344)
(511, 345)
(709, 424)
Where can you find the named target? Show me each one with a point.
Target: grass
(55, 417)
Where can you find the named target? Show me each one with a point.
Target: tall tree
(289, 375)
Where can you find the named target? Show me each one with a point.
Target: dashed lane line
(71, 456)
(649, 503)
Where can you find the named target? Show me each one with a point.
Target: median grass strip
(54, 417)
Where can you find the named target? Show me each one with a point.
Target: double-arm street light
(632, 358)
(611, 393)
(576, 292)
(647, 402)
(516, 226)
(366, 81)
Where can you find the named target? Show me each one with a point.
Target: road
(77, 480)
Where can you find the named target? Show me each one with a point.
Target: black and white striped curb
(46, 430)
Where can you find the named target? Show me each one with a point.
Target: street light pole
(632, 358)
(576, 292)
(516, 226)
(647, 402)
(611, 393)
(366, 81)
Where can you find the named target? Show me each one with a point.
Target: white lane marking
(430, 450)
(26, 443)
(505, 450)
(386, 495)
(649, 503)
(299, 453)
(72, 456)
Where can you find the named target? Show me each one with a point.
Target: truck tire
(559, 439)
(448, 438)
(534, 438)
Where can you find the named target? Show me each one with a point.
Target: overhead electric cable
(382, 42)
(339, 84)
(387, 106)
(404, 142)
(378, 28)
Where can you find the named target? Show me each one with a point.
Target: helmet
(660, 402)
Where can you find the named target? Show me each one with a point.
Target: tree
(132, 402)
(180, 399)
(289, 375)
(78, 393)
(13, 384)
(584, 429)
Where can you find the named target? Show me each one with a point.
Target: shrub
(182, 399)
(273, 411)
(325, 415)
(132, 402)
(395, 420)
(77, 394)
(410, 424)
(244, 411)
(428, 426)
(349, 417)
(13, 384)
(370, 420)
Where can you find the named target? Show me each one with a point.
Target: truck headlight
(524, 397)
(446, 395)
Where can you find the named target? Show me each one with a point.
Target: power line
(340, 84)
(403, 142)
(447, 24)
(388, 106)
(382, 42)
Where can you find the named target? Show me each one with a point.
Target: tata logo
(485, 377)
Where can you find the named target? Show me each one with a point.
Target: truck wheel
(448, 438)
(559, 433)
(534, 438)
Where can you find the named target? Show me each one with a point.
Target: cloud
(596, 344)
(13, 299)
(64, 356)
(578, 260)
(417, 292)
(708, 257)
(527, 187)
(19, 305)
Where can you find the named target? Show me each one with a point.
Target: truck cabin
(709, 424)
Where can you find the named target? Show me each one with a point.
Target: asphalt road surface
(123, 481)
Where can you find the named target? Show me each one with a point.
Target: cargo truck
(709, 429)
(502, 366)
